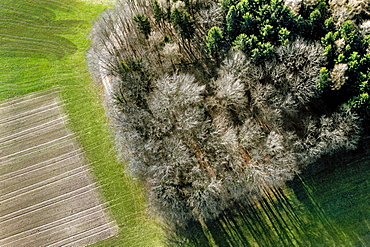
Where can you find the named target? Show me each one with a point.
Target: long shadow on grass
(326, 205)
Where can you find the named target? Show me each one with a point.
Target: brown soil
(47, 196)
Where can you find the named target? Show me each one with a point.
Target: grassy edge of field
(84, 106)
(125, 196)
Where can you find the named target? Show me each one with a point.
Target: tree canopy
(220, 101)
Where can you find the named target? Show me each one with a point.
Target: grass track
(43, 44)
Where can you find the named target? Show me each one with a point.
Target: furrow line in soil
(41, 165)
(34, 139)
(29, 122)
(35, 97)
(57, 211)
(41, 174)
(37, 155)
(22, 212)
(35, 148)
(107, 228)
(36, 128)
(51, 227)
(25, 114)
(41, 184)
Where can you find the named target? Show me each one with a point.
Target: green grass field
(43, 44)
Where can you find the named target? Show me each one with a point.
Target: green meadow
(43, 44)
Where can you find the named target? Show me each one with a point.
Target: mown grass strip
(43, 44)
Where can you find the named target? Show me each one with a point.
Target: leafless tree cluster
(202, 145)
(340, 10)
(271, 114)
(198, 155)
(343, 10)
(119, 43)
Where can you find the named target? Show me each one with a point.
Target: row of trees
(205, 130)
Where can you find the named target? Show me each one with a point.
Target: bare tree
(343, 10)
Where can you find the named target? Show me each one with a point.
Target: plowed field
(47, 196)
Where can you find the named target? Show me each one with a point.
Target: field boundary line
(29, 97)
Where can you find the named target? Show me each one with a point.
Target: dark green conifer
(143, 24)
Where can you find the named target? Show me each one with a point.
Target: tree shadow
(191, 235)
(294, 215)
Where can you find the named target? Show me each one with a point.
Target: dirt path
(47, 196)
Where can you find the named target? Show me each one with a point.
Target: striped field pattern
(47, 196)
